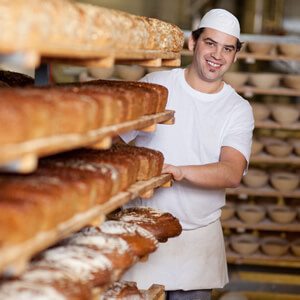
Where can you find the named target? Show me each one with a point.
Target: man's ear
(191, 43)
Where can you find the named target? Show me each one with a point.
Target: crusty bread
(65, 282)
(122, 290)
(72, 26)
(140, 241)
(85, 263)
(161, 224)
(113, 247)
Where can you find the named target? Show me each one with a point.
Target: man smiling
(206, 151)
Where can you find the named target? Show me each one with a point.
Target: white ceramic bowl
(260, 47)
(292, 81)
(131, 73)
(256, 178)
(227, 211)
(244, 244)
(284, 181)
(264, 80)
(274, 246)
(260, 111)
(285, 114)
(235, 79)
(256, 147)
(278, 147)
(281, 214)
(289, 49)
(251, 213)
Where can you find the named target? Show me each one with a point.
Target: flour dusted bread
(161, 224)
(113, 247)
(123, 290)
(140, 241)
(85, 263)
(66, 283)
(16, 290)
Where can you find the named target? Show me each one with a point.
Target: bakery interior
(261, 219)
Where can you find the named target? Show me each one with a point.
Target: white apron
(194, 260)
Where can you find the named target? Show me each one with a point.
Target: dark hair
(196, 33)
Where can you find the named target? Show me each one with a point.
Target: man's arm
(226, 173)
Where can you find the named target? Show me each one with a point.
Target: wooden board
(15, 258)
(270, 124)
(91, 56)
(155, 292)
(266, 191)
(267, 158)
(250, 91)
(15, 153)
(265, 224)
(252, 57)
(260, 295)
(258, 258)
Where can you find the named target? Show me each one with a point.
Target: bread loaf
(13, 213)
(113, 247)
(49, 196)
(122, 290)
(161, 224)
(140, 241)
(17, 290)
(151, 161)
(108, 177)
(66, 283)
(87, 264)
(72, 26)
(126, 165)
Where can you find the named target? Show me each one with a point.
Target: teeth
(212, 64)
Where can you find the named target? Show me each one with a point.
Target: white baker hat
(222, 20)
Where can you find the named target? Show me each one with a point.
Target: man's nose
(217, 54)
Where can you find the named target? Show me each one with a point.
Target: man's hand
(176, 172)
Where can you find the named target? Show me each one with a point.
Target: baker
(206, 151)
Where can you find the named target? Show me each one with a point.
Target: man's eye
(228, 49)
(209, 43)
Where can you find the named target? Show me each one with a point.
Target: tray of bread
(69, 191)
(86, 34)
(89, 263)
(47, 120)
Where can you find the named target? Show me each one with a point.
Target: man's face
(214, 53)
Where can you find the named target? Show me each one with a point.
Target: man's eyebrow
(215, 42)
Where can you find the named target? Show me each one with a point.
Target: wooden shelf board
(267, 158)
(251, 57)
(91, 56)
(265, 224)
(55, 144)
(258, 258)
(256, 56)
(249, 91)
(14, 258)
(264, 191)
(270, 124)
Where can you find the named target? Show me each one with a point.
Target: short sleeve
(239, 131)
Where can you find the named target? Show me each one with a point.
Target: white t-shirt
(203, 124)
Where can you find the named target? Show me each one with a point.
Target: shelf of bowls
(261, 220)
